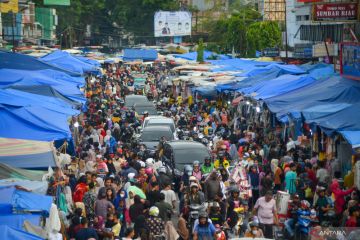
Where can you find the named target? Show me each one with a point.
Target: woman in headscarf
(80, 189)
(339, 195)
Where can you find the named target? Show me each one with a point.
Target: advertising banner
(172, 23)
(336, 12)
(9, 6)
(57, 2)
(350, 60)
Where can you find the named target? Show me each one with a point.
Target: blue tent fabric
(206, 92)
(7, 232)
(48, 91)
(11, 60)
(281, 85)
(285, 69)
(13, 97)
(66, 61)
(17, 220)
(140, 54)
(192, 56)
(237, 64)
(12, 77)
(353, 137)
(23, 200)
(33, 123)
(334, 89)
(88, 60)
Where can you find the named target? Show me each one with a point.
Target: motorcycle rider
(163, 177)
(182, 123)
(304, 217)
(196, 171)
(208, 166)
(204, 229)
(235, 206)
(254, 231)
(293, 206)
(221, 161)
(195, 196)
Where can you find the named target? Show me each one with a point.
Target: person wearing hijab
(339, 195)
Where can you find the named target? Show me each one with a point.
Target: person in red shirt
(354, 215)
(80, 190)
(311, 174)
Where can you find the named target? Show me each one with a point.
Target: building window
(307, 17)
(298, 18)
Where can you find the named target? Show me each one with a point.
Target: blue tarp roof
(7, 232)
(353, 137)
(14, 97)
(48, 91)
(285, 69)
(206, 91)
(18, 61)
(23, 200)
(66, 61)
(332, 90)
(33, 123)
(140, 54)
(10, 77)
(207, 55)
(278, 86)
(88, 60)
(237, 64)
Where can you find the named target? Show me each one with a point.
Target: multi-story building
(272, 10)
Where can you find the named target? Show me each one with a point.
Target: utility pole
(286, 36)
(13, 30)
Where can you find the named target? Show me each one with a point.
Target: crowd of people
(115, 189)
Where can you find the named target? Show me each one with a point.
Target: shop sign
(350, 60)
(336, 12)
(319, 50)
(271, 52)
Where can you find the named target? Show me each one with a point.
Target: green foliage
(200, 51)
(261, 35)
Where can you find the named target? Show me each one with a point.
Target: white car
(160, 121)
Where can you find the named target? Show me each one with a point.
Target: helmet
(210, 131)
(235, 190)
(204, 141)
(254, 224)
(196, 164)
(305, 204)
(150, 161)
(221, 154)
(215, 205)
(188, 170)
(154, 211)
(207, 158)
(146, 112)
(142, 164)
(161, 170)
(192, 178)
(203, 214)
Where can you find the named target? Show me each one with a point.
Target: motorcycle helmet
(196, 164)
(188, 170)
(161, 170)
(150, 161)
(154, 211)
(204, 141)
(210, 131)
(149, 171)
(305, 204)
(221, 154)
(203, 214)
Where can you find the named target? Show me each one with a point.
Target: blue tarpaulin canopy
(33, 123)
(88, 60)
(7, 232)
(66, 61)
(284, 69)
(14, 97)
(237, 64)
(278, 86)
(11, 77)
(206, 91)
(11, 60)
(353, 137)
(332, 90)
(207, 55)
(23, 200)
(140, 54)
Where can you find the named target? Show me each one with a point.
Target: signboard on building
(350, 60)
(57, 2)
(319, 50)
(336, 12)
(9, 6)
(172, 23)
(271, 52)
(303, 50)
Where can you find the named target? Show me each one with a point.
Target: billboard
(57, 2)
(336, 12)
(350, 60)
(172, 23)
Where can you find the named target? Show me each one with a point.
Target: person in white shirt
(170, 196)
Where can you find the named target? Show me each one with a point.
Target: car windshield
(188, 156)
(131, 101)
(150, 109)
(171, 125)
(154, 136)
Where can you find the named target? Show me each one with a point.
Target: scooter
(195, 210)
(305, 221)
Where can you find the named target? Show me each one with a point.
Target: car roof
(133, 96)
(156, 128)
(156, 117)
(183, 144)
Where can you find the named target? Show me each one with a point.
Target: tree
(261, 35)
(200, 51)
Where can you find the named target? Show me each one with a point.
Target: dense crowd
(115, 189)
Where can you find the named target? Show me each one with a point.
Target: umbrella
(136, 191)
